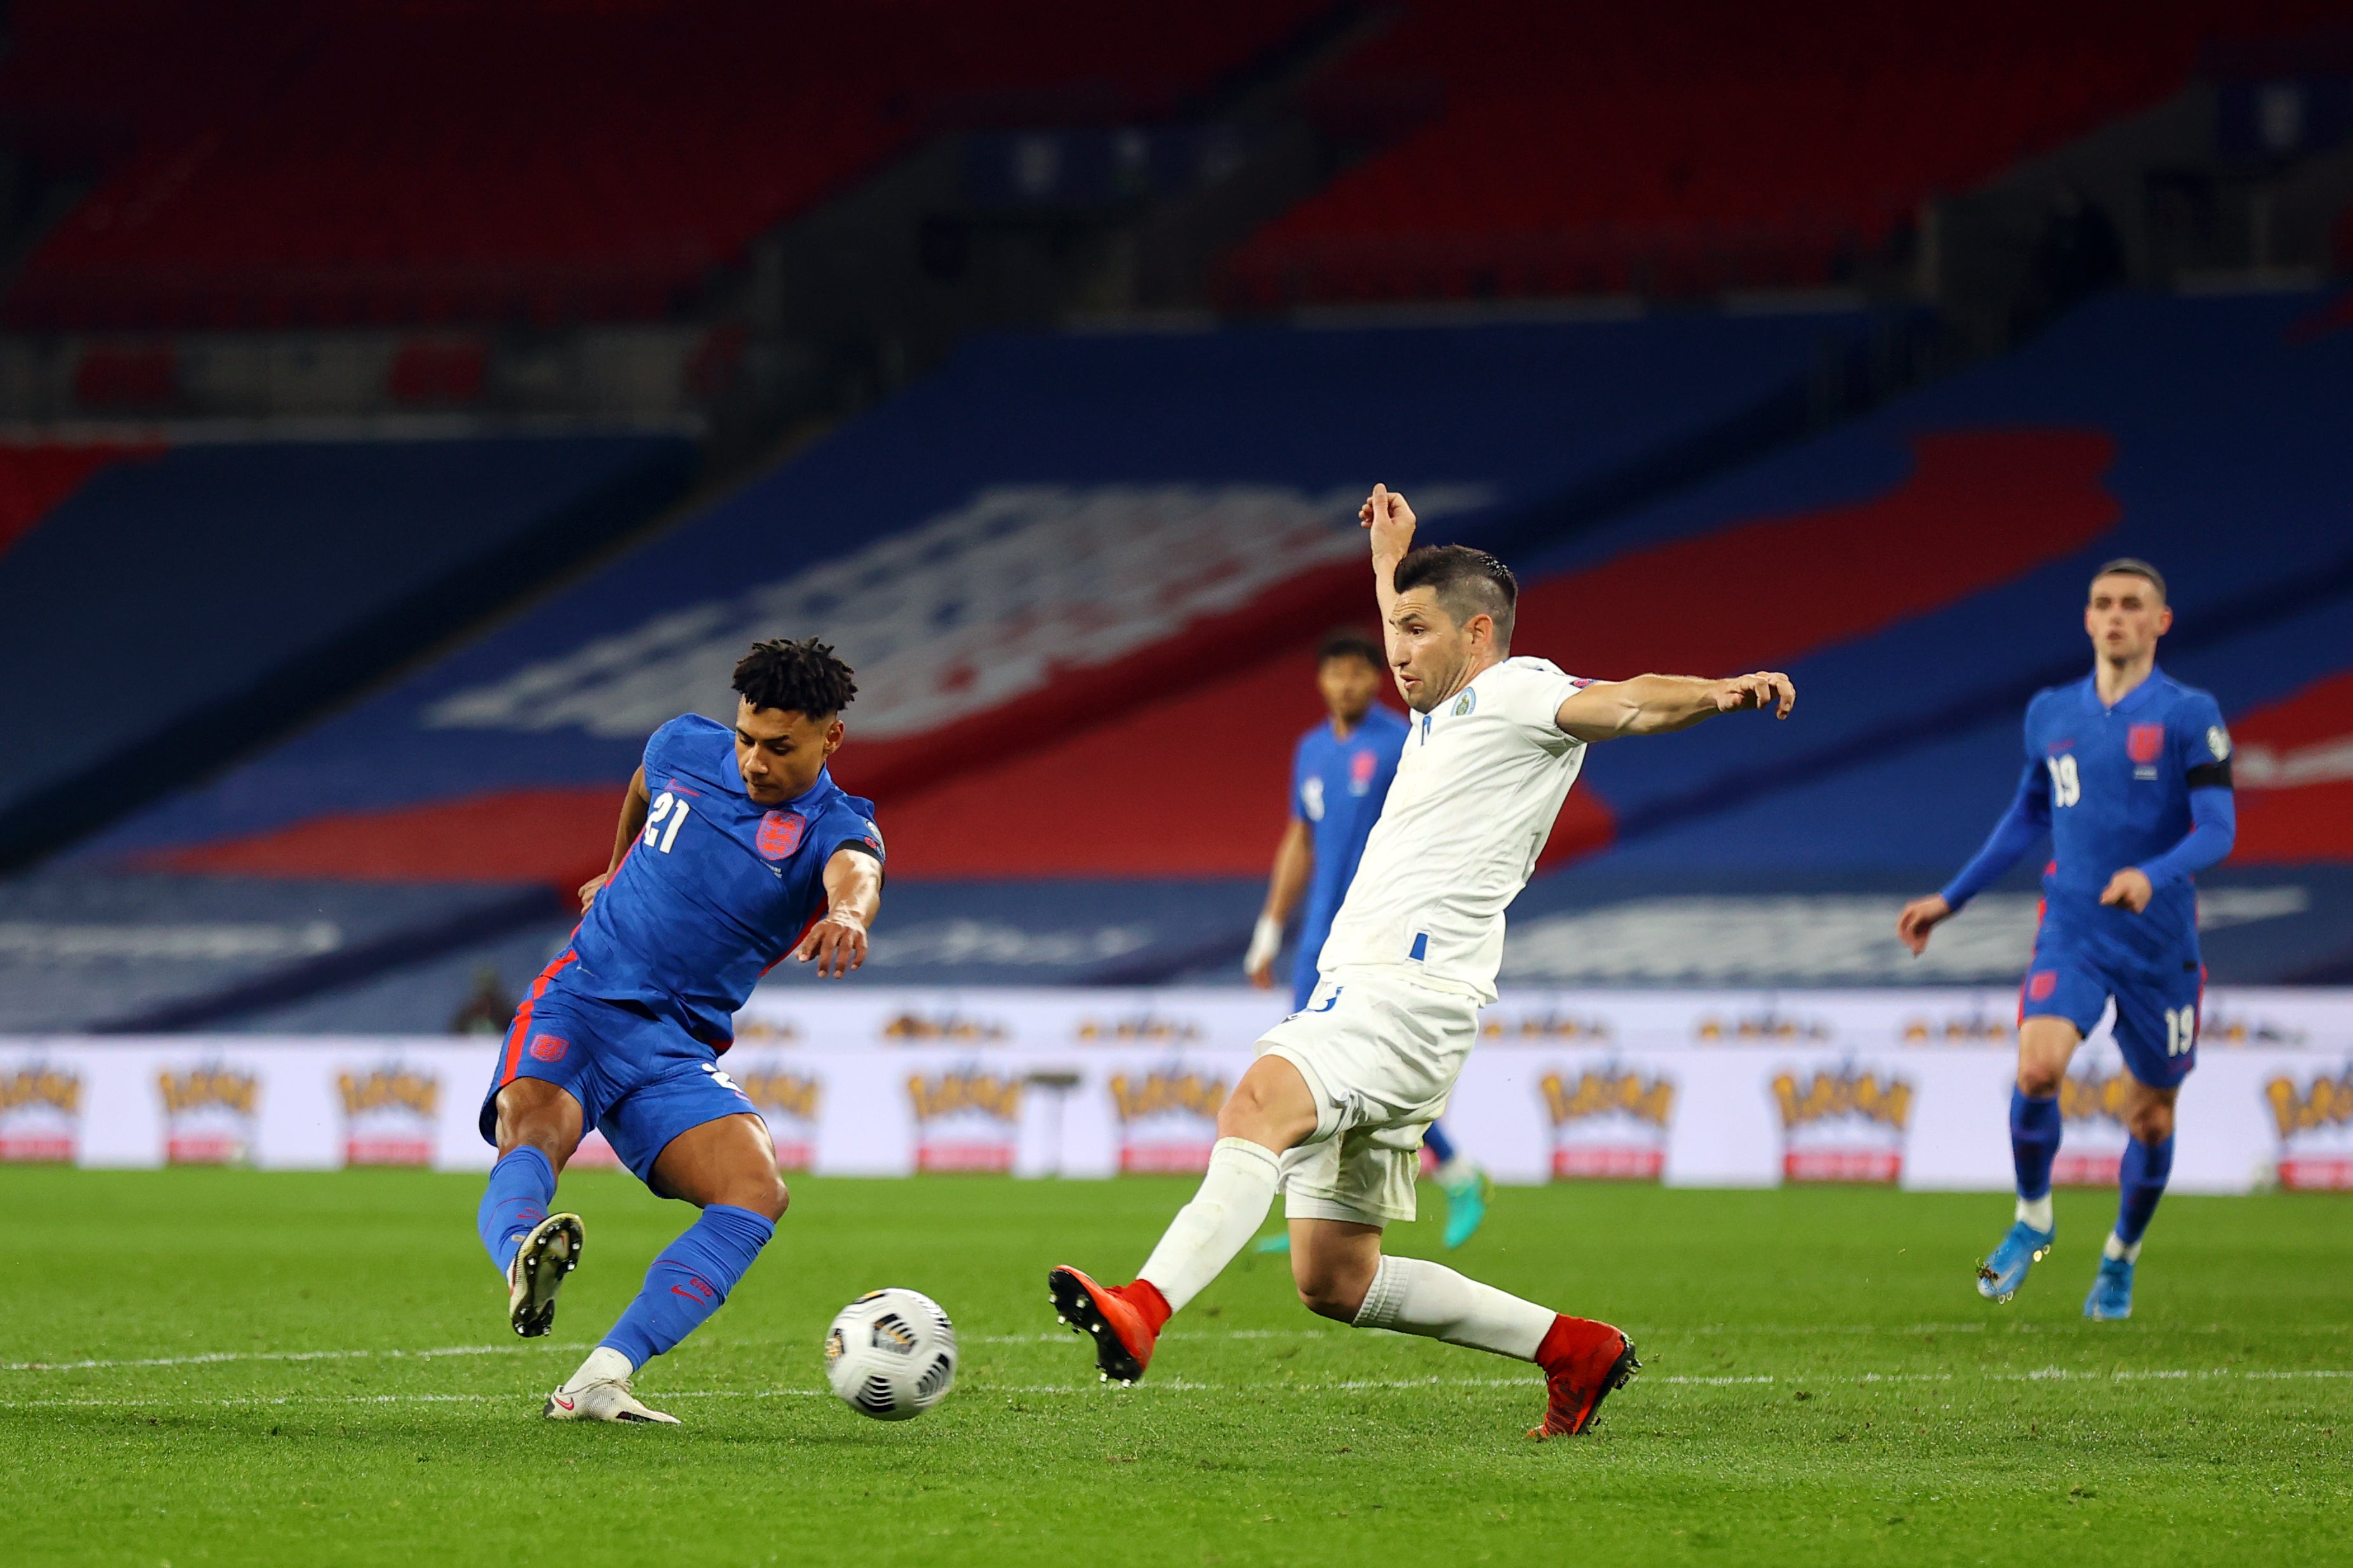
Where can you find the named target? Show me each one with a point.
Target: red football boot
(1584, 1362)
(1124, 1322)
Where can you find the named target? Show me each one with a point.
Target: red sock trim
(1147, 1298)
(1555, 1348)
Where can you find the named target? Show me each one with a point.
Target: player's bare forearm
(634, 806)
(1391, 523)
(632, 823)
(1295, 862)
(853, 896)
(1658, 704)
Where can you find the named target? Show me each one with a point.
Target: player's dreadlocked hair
(1350, 643)
(1466, 581)
(796, 677)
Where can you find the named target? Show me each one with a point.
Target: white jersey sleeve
(1531, 691)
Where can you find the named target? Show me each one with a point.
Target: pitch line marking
(214, 1357)
(1183, 1385)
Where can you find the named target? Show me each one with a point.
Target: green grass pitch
(1821, 1385)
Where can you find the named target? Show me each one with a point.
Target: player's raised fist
(1766, 690)
(1920, 917)
(590, 889)
(1392, 521)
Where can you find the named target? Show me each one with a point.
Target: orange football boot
(1125, 1321)
(1584, 1363)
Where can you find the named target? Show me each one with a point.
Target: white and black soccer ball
(891, 1355)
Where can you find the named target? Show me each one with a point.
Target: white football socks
(2036, 1212)
(1218, 1223)
(1414, 1296)
(605, 1365)
(2118, 1247)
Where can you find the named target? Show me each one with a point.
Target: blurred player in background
(745, 851)
(1339, 777)
(1333, 1111)
(2129, 772)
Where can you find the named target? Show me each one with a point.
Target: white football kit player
(1416, 946)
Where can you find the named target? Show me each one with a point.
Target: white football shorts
(1380, 1055)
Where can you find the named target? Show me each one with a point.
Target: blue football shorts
(639, 1076)
(2158, 1002)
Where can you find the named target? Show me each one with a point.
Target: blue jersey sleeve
(2201, 748)
(2026, 821)
(847, 824)
(1299, 778)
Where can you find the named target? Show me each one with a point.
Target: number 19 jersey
(716, 888)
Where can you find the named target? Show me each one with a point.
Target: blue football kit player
(1340, 775)
(734, 849)
(2129, 772)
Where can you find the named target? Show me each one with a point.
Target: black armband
(2211, 775)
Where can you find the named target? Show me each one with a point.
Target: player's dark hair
(1347, 642)
(2133, 566)
(1466, 581)
(796, 677)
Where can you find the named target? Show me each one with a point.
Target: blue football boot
(2111, 1298)
(1466, 1206)
(1999, 1276)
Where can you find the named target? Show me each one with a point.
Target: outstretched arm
(1655, 704)
(2020, 828)
(1294, 861)
(853, 897)
(632, 823)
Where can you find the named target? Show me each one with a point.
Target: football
(891, 1355)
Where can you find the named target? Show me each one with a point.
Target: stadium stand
(1687, 148)
(326, 162)
(1036, 540)
(171, 605)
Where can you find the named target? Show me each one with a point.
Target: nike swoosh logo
(561, 1400)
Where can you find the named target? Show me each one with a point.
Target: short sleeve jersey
(2119, 781)
(1336, 790)
(716, 888)
(1481, 780)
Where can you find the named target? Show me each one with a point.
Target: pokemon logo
(964, 1093)
(2219, 1028)
(203, 1088)
(2324, 1102)
(40, 1112)
(388, 1115)
(2316, 1130)
(1138, 1029)
(1166, 1094)
(766, 1032)
(1553, 1028)
(1168, 1119)
(1607, 1121)
(33, 1088)
(1843, 1126)
(784, 1093)
(209, 1115)
(967, 1121)
(389, 1089)
(1846, 1093)
(1606, 1092)
(1966, 1029)
(1779, 1027)
(959, 1027)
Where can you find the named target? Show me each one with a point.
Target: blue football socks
(522, 1184)
(2034, 1129)
(1438, 1143)
(2141, 1180)
(689, 1281)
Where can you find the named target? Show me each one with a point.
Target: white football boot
(599, 1391)
(550, 1252)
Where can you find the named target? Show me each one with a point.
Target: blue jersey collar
(2136, 697)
